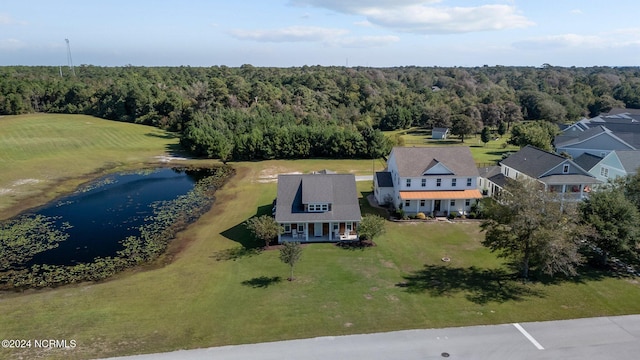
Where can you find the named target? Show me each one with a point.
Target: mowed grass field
(44, 155)
(213, 293)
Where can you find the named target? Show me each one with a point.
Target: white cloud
(618, 38)
(290, 34)
(328, 36)
(576, 12)
(436, 20)
(421, 16)
(11, 44)
(5, 19)
(357, 6)
(365, 41)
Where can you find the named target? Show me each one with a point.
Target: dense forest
(262, 113)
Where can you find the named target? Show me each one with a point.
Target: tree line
(334, 106)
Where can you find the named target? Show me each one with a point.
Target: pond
(108, 210)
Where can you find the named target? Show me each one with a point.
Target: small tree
(371, 226)
(485, 136)
(290, 254)
(264, 228)
(502, 128)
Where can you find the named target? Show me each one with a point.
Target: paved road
(594, 338)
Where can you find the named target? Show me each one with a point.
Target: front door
(317, 230)
(436, 205)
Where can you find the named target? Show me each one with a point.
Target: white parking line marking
(528, 336)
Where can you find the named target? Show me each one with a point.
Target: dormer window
(318, 207)
(565, 169)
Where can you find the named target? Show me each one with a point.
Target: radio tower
(69, 60)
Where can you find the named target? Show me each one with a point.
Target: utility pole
(69, 60)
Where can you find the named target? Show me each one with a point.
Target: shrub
(421, 216)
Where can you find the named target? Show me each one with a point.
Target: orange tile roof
(440, 195)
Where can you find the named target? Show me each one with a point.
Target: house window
(468, 181)
(453, 182)
(407, 203)
(604, 172)
(408, 182)
(422, 202)
(452, 203)
(300, 227)
(438, 182)
(349, 226)
(325, 207)
(565, 168)
(424, 182)
(287, 228)
(467, 202)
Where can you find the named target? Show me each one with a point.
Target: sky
(286, 33)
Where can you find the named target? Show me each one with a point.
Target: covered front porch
(319, 231)
(439, 203)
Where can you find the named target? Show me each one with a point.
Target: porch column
(306, 232)
(448, 207)
(417, 206)
(330, 231)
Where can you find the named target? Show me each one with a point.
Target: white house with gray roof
(317, 207)
(431, 180)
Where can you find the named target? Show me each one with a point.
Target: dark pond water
(108, 210)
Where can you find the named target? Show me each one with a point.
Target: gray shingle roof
(630, 159)
(383, 178)
(413, 161)
(578, 136)
(587, 161)
(337, 189)
(533, 161)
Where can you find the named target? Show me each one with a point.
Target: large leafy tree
(264, 228)
(537, 133)
(614, 219)
(533, 229)
(462, 125)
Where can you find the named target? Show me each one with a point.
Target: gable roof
(630, 160)
(415, 161)
(532, 161)
(537, 163)
(337, 189)
(587, 161)
(576, 137)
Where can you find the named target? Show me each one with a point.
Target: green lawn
(214, 294)
(44, 155)
(483, 154)
(207, 291)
